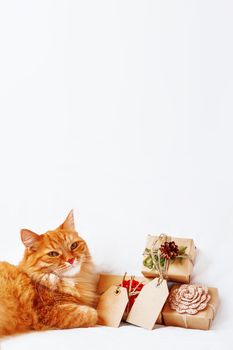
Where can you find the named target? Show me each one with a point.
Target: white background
(121, 110)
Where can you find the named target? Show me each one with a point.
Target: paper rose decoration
(189, 298)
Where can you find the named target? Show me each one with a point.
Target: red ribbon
(133, 287)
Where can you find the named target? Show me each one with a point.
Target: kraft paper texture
(181, 269)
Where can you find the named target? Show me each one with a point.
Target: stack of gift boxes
(149, 299)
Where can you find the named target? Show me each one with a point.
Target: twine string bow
(132, 291)
(162, 270)
(161, 263)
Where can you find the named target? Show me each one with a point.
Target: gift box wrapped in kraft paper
(191, 306)
(169, 256)
(136, 300)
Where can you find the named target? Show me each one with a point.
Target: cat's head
(57, 253)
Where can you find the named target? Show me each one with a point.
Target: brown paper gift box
(107, 280)
(181, 269)
(202, 320)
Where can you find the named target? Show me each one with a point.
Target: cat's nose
(71, 260)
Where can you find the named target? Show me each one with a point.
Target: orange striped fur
(53, 287)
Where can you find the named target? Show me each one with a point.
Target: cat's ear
(68, 224)
(30, 239)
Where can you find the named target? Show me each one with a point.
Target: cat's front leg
(68, 315)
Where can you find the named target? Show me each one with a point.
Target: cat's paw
(89, 314)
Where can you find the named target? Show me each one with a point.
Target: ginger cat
(53, 287)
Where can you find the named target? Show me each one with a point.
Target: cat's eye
(53, 254)
(74, 245)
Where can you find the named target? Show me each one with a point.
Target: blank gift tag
(148, 305)
(112, 305)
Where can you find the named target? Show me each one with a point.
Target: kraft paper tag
(148, 304)
(112, 305)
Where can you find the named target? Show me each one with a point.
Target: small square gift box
(191, 306)
(171, 257)
(136, 300)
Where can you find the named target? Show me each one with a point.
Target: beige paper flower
(189, 298)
